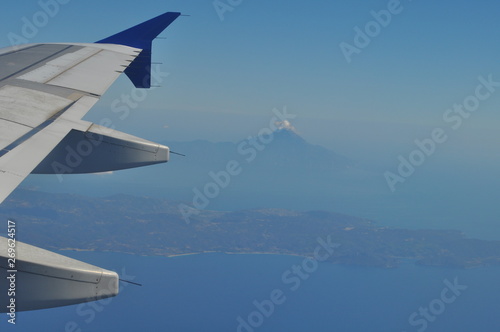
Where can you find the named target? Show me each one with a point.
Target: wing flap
(10, 133)
(17, 163)
(15, 61)
(105, 65)
(27, 106)
(59, 65)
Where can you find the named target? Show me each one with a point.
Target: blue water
(205, 293)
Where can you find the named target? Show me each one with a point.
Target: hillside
(146, 226)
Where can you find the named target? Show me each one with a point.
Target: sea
(217, 292)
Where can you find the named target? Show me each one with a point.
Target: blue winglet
(141, 36)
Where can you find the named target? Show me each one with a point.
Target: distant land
(284, 170)
(151, 226)
(275, 169)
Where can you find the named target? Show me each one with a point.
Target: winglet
(141, 36)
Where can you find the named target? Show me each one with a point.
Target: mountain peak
(285, 125)
(286, 132)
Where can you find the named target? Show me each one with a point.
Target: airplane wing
(45, 90)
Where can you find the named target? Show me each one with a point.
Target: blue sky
(230, 74)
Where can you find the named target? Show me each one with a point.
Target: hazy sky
(225, 76)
